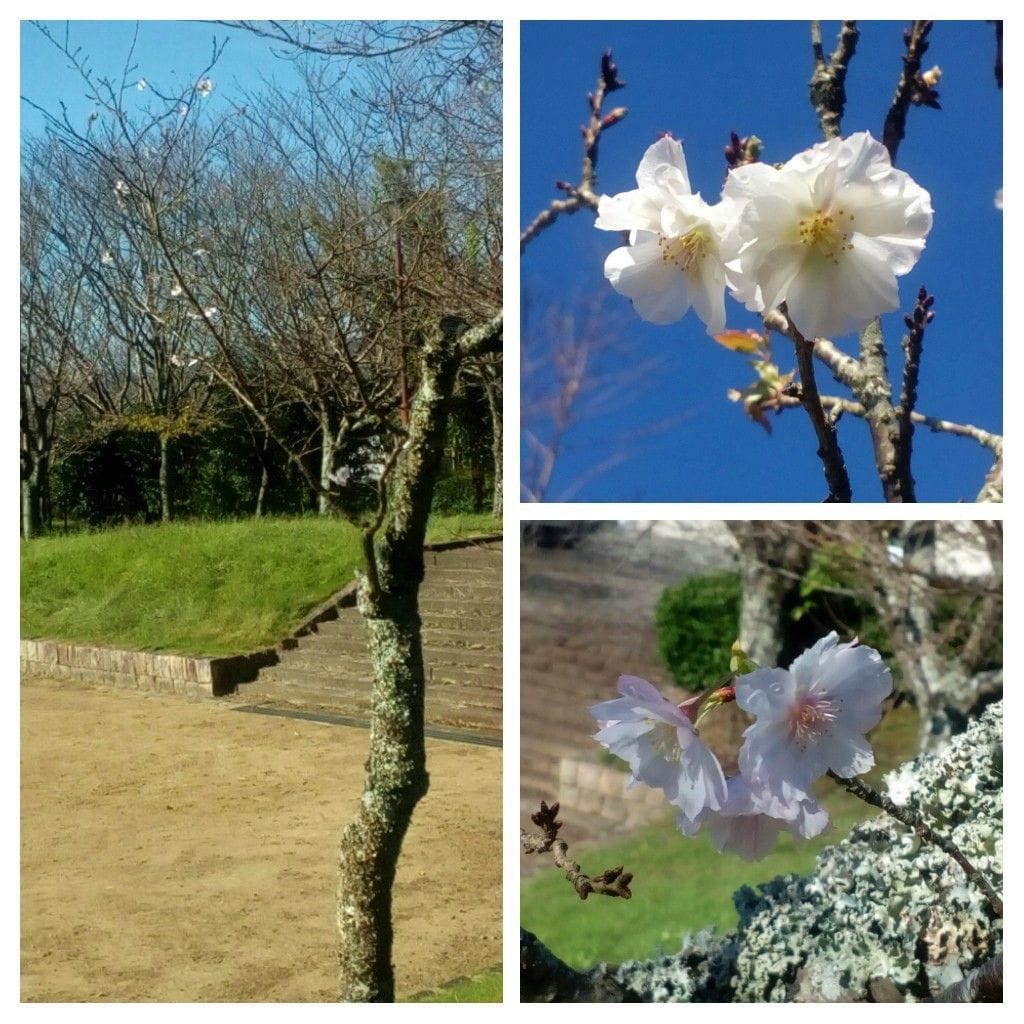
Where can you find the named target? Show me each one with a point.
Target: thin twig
(864, 792)
(583, 194)
(833, 404)
(828, 83)
(911, 88)
(998, 69)
(613, 882)
(829, 452)
(913, 342)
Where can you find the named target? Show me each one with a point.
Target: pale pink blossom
(813, 717)
(659, 742)
(749, 822)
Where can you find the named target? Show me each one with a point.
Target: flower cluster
(810, 719)
(827, 233)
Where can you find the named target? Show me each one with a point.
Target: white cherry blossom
(672, 261)
(660, 744)
(813, 717)
(828, 233)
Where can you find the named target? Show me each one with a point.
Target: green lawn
(682, 885)
(484, 988)
(196, 588)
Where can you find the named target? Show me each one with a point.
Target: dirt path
(178, 851)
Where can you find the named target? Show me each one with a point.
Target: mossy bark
(396, 779)
(396, 772)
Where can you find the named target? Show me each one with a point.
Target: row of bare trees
(291, 250)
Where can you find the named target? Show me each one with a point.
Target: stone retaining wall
(599, 792)
(141, 670)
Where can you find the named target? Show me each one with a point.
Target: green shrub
(697, 622)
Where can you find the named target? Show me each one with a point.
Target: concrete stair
(460, 605)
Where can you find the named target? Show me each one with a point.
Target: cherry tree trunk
(762, 553)
(327, 450)
(396, 772)
(165, 479)
(494, 404)
(396, 779)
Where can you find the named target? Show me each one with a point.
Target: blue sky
(170, 54)
(698, 81)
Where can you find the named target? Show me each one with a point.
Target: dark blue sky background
(699, 80)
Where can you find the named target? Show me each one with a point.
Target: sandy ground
(182, 851)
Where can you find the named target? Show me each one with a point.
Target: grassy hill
(195, 588)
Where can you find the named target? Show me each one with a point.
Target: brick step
(460, 610)
(336, 664)
(559, 737)
(359, 689)
(328, 646)
(476, 608)
(456, 597)
(539, 785)
(481, 579)
(439, 712)
(342, 692)
(541, 749)
(467, 558)
(354, 630)
(353, 674)
(461, 580)
(458, 620)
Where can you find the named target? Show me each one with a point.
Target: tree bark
(165, 479)
(261, 494)
(763, 552)
(543, 978)
(396, 775)
(494, 403)
(36, 437)
(326, 462)
(261, 455)
(396, 779)
(30, 513)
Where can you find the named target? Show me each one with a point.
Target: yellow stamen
(827, 233)
(687, 251)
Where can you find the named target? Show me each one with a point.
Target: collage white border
(515, 513)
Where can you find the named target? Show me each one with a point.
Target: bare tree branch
(911, 88)
(583, 194)
(828, 446)
(982, 985)
(828, 83)
(613, 882)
